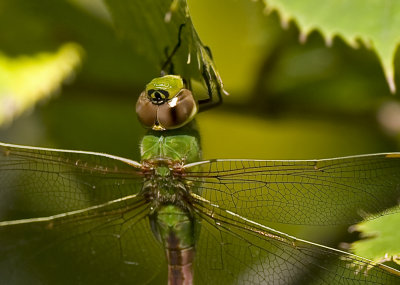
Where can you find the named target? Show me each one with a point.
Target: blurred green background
(287, 100)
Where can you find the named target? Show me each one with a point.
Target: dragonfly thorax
(164, 187)
(163, 158)
(169, 150)
(164, 192)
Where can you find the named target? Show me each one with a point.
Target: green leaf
(382, 239)
(25, 80)
(374, 23)
(152, 27)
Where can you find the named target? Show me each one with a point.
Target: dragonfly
(81, 217)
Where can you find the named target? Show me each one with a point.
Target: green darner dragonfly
(78, 217)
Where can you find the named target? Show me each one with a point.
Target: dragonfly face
(166, 104)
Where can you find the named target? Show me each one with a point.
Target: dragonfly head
(165, 104)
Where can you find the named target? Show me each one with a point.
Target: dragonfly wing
(317, 192)
(110, 243)
(38, 182)
(234, 250)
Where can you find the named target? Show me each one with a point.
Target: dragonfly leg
(207, 48)
(171, 65)
(208, 74)
(168, 63)
(210, 78)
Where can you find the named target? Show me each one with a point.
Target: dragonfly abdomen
(180, 266)
(174, 227)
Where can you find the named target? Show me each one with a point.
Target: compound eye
(146, 111)
(179, 111)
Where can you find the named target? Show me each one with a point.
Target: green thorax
(176, 146)
(163, 155)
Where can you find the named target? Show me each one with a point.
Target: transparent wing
(318, 192)
(233, 250)
(111, 243)
(37, 182)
